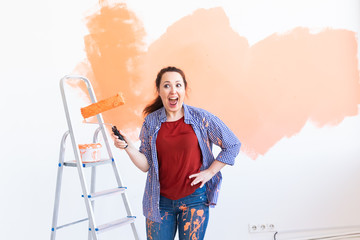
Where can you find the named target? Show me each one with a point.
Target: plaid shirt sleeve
(220, 135)
(145, 146)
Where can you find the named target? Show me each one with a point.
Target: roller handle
(117, 133)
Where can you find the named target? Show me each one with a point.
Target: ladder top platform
(88, 164)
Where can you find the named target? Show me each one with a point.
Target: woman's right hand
(136, 157)
(120, 143)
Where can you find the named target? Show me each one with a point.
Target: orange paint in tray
(90, 152)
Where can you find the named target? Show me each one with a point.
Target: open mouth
(173, 101)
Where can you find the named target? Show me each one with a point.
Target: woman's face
(172, 91)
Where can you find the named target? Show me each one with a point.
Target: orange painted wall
(264, 92)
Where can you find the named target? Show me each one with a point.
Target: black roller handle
(117, 133)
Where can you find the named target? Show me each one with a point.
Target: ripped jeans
(189, 214)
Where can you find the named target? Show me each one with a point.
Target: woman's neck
(174, 116)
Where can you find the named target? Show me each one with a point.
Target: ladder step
(106, 192)
(88, 164)
(115, 224)
(69, 224)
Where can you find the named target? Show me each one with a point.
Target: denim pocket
(197, 198)
(199, 191)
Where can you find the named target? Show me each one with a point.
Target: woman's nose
(173, 90)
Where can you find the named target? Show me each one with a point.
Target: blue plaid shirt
(209, 130)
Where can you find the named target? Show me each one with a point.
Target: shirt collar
(187, 115)
(162, 116)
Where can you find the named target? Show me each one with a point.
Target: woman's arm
(219, 134)
(135, 155)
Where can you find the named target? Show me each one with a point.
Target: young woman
(176, 150)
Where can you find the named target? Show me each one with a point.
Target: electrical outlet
(261, 228)
(253, 228)
(271, 227)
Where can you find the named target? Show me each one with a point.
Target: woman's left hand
(201, 177)
(207, 174)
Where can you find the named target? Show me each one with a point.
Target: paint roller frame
(113, 128)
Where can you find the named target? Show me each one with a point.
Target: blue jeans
(189, 214)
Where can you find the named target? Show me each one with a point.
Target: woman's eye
(166, 86)
(178, 85)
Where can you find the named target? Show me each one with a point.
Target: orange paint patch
(196, 220)
(113, 48)
(165, 216)
(188, 224)
(186, 227)
(183, 208)
(197, 225)
(149, 230)
(263, 93)
(267, 91)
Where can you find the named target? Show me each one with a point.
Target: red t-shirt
(179, 156)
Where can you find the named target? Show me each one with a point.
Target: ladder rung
(106, 192)
(116, 223)
(72, 223)
(89, 164)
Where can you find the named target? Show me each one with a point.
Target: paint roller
(102, 106)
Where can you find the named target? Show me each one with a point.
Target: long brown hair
(157, 103)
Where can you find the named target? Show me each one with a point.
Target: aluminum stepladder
(89, 197)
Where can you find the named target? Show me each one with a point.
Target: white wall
(309, 181)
